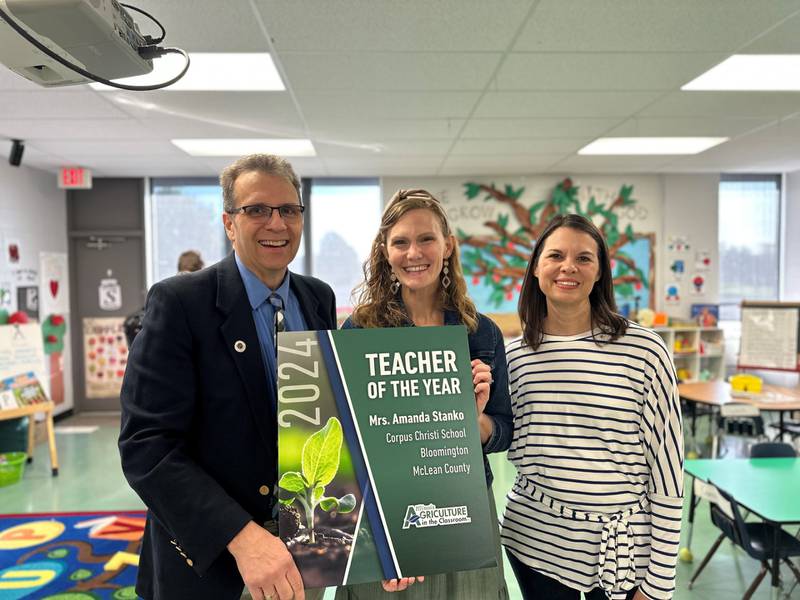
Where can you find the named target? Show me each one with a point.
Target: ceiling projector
(99, 36)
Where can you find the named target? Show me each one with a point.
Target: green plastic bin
(12, 466)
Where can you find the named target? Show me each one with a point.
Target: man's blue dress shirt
(264, 316)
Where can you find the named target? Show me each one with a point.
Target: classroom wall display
(380, 461)
(22, 351)
(770, 336)
(7, 296)
(13, 252)
(497, 223)
(54, 284)
(28, 301)
(105, 356)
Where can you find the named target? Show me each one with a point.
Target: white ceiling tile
(537, 128)
(602, 70)
(580, 69)
(519, 146)
(610, 164)
(498, 164)
(57, 104)
(783, 39)
(80, 150)
(384, 129)
(649, 25)
(218, 108)
(376, 25)
(74, 129)
(563, 104)
(390, 71)
(321, 107)
(203, 26)
(725, 104)
(687, 126)
(393, 148)
(375, 167)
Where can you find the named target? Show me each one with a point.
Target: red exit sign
(74, 178)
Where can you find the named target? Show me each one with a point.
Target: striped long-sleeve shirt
(598, 448)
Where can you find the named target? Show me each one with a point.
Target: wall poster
(105, 356)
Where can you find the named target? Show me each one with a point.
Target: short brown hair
(269, 164)
(533, 303)
(190, 261)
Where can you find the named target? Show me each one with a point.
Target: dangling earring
(395, 285)
(445, 276)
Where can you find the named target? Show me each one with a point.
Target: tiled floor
(91, 479)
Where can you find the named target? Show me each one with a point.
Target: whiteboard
(770, 337)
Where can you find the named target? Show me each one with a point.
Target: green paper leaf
(471, 190)
(629, 232)
(321, 453)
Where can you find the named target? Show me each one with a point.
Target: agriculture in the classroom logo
(427, 515)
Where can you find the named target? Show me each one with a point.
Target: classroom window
(345, 215)
(749, 247)
(186, 214)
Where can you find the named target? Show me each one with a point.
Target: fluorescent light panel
(242, 146)
(650, 145)
(751, 72)
(211, 71)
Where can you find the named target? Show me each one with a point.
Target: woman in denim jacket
(413, 278)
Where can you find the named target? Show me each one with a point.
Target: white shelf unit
(698, 352)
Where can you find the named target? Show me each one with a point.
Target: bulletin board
(770, 336)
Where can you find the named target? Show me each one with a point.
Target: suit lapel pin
(239, 346)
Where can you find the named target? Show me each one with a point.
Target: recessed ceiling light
(242, 146)
(651, 145)
(751, 72)
(212, 71)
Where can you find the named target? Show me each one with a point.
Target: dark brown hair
(533, 303)
(189, 261)
(376, 304)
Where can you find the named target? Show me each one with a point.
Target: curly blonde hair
(376, 304)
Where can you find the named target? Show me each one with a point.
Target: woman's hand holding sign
(482, 380)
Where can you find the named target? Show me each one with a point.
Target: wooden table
(715, 394)
(30, 412)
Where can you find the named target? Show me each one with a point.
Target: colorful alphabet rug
(70, 556)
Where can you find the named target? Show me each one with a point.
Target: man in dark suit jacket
(199, 433)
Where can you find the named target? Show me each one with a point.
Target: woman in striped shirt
(598, 446)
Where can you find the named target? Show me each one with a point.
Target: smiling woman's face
(416, 249)
(568, 267)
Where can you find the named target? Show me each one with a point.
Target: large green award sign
(381, 468)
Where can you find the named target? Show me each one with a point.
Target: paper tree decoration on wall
(498, 261)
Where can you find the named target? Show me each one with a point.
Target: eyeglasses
(279, 322)
(263, 212)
